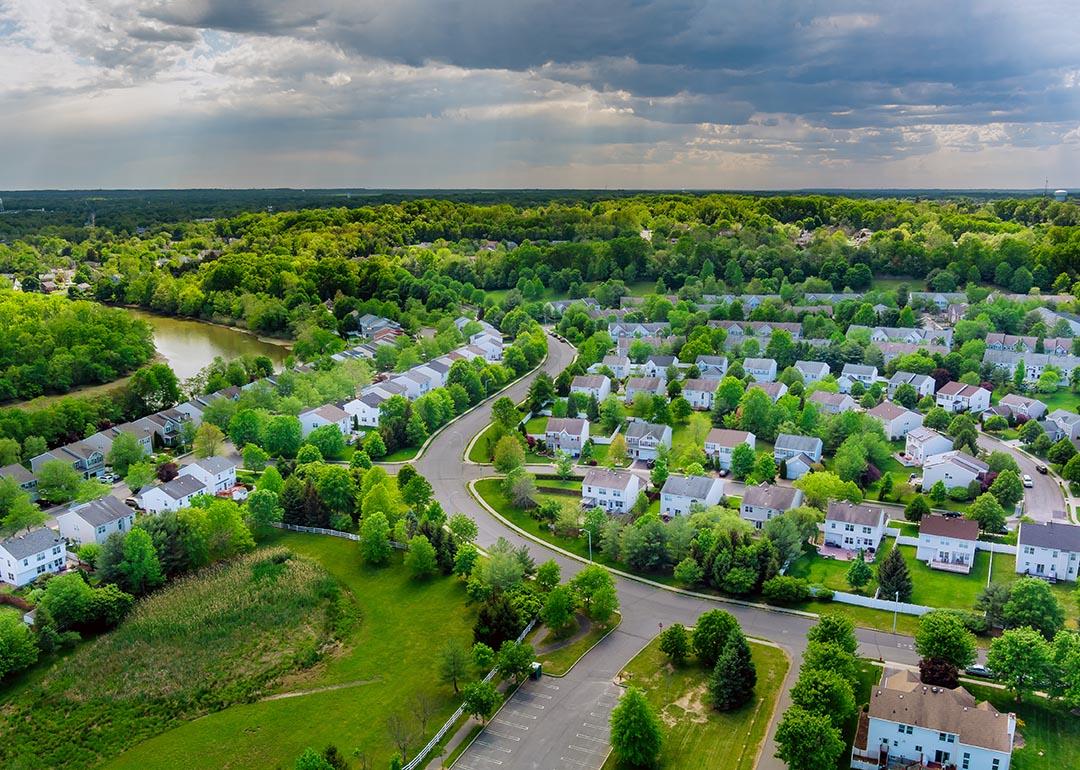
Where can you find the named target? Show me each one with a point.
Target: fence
(880, 604)
(980, 545)
(331, 533)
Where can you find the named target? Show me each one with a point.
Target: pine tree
(894, 577)
(734, 676)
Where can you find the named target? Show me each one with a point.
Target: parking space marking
(534, 705)
(521, 714)
(537, 695)
(551, 686)
(489, 731)
(511, 724)
(576, 762)
(489, 759)
(591, 738)
(487, 745)
(595, 727)
(587, 751)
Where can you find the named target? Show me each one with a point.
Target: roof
(958, 389)
(1015, 399)
(662, 361)
(602, 477)
(712, 361)
(832, 399)
(859, 369)
(17, 473)
(588, 381)
(798, 443)
(899, 378)
(690, 486)
(957, 457)
(901, 698)
(774, 389)
(104, 510)
(181, 487)
(702, 386)
(888, 411)
(644, 383)
(215, 464)
(771, 496)
(639, 430)
(942, 526)
(922, 433)
(330, 412)
(33, 542)
(726, 437)
(1053, 534)
(572, 425)
(812, 366)
(759, 363)
(853, 513)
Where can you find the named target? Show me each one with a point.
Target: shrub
(823, 595)
(785, 590)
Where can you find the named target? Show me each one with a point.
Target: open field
(387, 660)
(695, 735)
(1051, 733)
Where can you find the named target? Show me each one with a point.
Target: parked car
(131, 502)
(1042, 469)
(1028, 481)
(979, 670)
(723, 473)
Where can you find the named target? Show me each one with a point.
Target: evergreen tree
(292, 501)
(734, 676)
(894, 577)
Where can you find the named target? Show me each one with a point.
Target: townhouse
(1014, 406)
(797, 454)
(924, 384)
(84, 458)
(895, 419)
(712, 367)
(957, 397)
(26, 480)
(644, 439)
(1034, 364)
(831, 403)
(657, 366)
(1049, 550)
(566, 434)
(854, 526)
(651, 386)
(721, 442)
(760, 369)
(812, 371)
(640, 330)
(766, 501)
(216, 474)
(614, 491)
(595, 385)
(94, 521)
(365, 409)
(170, 496)
(853, 373)
(947, 543)
(893, 350)
(619, 366)
(683, 494)
(953, 469)
(327, 414)
(922, 443)
(28, 555)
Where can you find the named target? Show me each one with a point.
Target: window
(995, 763)
(966, 763)
(904, 729)
(918, 749)
(1028, 549)
(849, 527)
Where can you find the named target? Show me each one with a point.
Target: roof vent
(901, 697)
(935, 689)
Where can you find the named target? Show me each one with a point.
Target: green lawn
(401, 455)
(389, 659)
(537, 424)
(869, 675)
(1004, 571)
(1063, 398)
(1051, 733)
(481, 449)
(558, 662)
(937, 588)
(831, 573)
(695, 735)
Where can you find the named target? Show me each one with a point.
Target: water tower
(1061, 195)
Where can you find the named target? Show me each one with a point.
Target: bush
(823, 595)
(785, 590)
(960, 494)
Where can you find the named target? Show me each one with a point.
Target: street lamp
(896, 608)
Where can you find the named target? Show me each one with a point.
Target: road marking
(551, 686)
(503, 735)
(537, 695)
(487, 745)
(511, 724)
(575, 761)
(488, 759)
(533, 705)
(595, 727)
(587, 751)
(590, 738)
(594, 714)
(521, 714)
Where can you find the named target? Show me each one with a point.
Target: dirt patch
(693, 707)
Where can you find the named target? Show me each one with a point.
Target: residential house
(908, 335)
(26, 480)
(854, 526)
(596, 385)
(853, 373)
(172, 495)
(1034, 364)
(681, 494)
(490, 344)
(761, 369)
(644, 439)
(1052, 317)
(896, 420)
(1021, 407)
(622, 344)
(923, 443)
(947, 543)
(365, 409)
(1048, 550)
(615, 491)
(958, 397)
(657, 366)
(831, 403)
(143, 433)
(774, 390)
(940, 300)
(370, 323)
(909, 724)
(217, 474)
(712, 367)
(924, 384)
(893, 350)
(560, 306)
(1015, 343)
(94, 521)
(26, 556)
(721, 442)
(566, 434)
(619, 366)
(1060, 423)
(953, 469)
(193, 410)
(652, 386)
(766, 501)
(797, 454)
(812, 371)
(168, 425)
(634, 329)
(87, 460)
(699, 393)
(327, 414)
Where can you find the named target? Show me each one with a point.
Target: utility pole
(896, 609)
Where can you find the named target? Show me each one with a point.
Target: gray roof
(853, 513)
(182, 486)
(771, 496)
(588, 381)
(16, 473)
(1053, 534)
(571, 425)
(798, 443)
(215, 464)
(866, 371)
(812, 366)
(712, 361)
(697, 487)
(104, 510)
(759, 363)
(662, 361)
(33, 542)
(602, 477)
(638, 429)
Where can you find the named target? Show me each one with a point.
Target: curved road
(561, 723)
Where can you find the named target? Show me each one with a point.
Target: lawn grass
(831, 573)
(1004, 571)
(400, 455)
(869, 674)
(1051, 733)
(695, 735)
(388, 659)
(559, 662)
(481, 449)
(1063, 398)
(537, 424)
(937, 588)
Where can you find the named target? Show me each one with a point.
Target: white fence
(880, 604)
(331, 533)
(980, 545)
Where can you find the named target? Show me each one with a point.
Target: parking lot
(542, 727)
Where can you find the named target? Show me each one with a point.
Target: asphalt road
(1045, 496)
(583, 693)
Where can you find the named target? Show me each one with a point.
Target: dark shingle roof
(1053, 534)
(33, 542)
(101, 511)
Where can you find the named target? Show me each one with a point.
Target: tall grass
(209, 640)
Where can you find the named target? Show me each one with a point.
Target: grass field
(695, 735)
(1063, 398)
(1051, 733)
(387, 660)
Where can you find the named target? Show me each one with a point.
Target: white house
(958, 397)
(1048, 550)
(721, 442)
(947, 543)
(923, 443)
(896, 420)
(94, 521)
(954, 469)
(766, 501)
(619, 366)
(774, 390)
(596, 385)
(761, 369)
(924, 385)
(215, 473)
(682, 493)
(854, 526)
(909, 724)
(712, 367)
(652, 386)
(327, 414)
(657, 366)
(26, 556)
(490, 344)
(853, 373)
(1060, 423)
(615, 491)
(812, 371)
(831, 403)
(699, 393)
(797, 453)
(644, 439)
(365, 409)
(566, 434)
(1022, 406)
(172, 495)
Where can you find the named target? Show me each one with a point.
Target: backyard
(1051, 734)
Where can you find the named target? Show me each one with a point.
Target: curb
(582, 655)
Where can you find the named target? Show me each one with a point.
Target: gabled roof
(571, 425)
(711, 361)
(104, 510)
(791, 442)
(1015, 399)
(609, 479)
(853, 513)
(180, 487)
(759, 363)
(699, 386)
(960, 459)
(832, 399)
(639, 430)
(1053, 534)
(771, 496)
(923, 434)
(859, 370)
(943, 526)
(644, 383)
(16, 473)
(726, 437)
(215, 465)
(888, 411)
(697, 487)
(814, 367)
(589, 381)
(33, 542)
(329, 412)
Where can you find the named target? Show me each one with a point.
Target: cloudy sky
(539, 93)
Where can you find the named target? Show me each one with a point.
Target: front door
(941, 757)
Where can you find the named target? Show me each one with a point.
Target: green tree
(480, 699)
(917, 508)
(564, 465)
(1007, 489)
(825, 693)
(1021, 660)
(807, 741)
(711, 634)
(140, 568)
(504, 413)
(255, 458)
(509, 454)
(894, 577)
(835, 629)
(420, 558)
(943, 636)
(821, 487)
(454, 662)
(263, 508)
(859, 573)
(675, 643)
(284, 435)
(988, 512)
(139, 475)
(514, 659)
(1061, 452)
(742, 461)
(328, 440)
(558, 610)
(688, 571)
(270, 480)
(1032, 603)
(58, 482)
(125, 451)
(311, 760)
(17, 512)
(208, 440)
(246, 428)
(636, 736)
(375, 538)
(18, 649)
(374, 445)
(734, 677)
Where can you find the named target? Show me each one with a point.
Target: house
(853, 373)
(761, 369)
(370, 323)
(797, 453)
(94, 521)
(1058, 424)
(26, 480)
(490, 344)
(168, 424)
(896, 420)
(327, 414)
(909, 724)
(193, 410)
(924, 384)
(619, 366)
(615, 491)
(923, 443)
(1034, 364)
(87, 460)
(560, 306)
(953, 469)
(632, 329)
(1015, 343)
(958, 397)
(596, 385)
(651, 386)
(28, 555)
(365, 409)
(831, 403)
(699, 393)
(681, 494)
(721, 442)
(657, 366)
(854, 526)
(1048, 550)
(940, 300)
(774, 390)
(566, 434)
(812, 371)
(217, 474)
(142, 433)
(1022, 406)
(172, 495)
(622, 344)
(947, 543)
(643, 439)
(766, 501)
(712, 367)
(893, 350)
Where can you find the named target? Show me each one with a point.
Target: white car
(1028, 482)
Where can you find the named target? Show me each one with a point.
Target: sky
(751, 94)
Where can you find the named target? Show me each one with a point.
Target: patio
(842, 554)
(962, 568)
